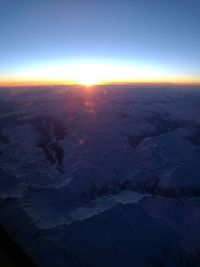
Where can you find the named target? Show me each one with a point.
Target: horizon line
(35, 83)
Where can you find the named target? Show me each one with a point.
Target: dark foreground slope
(11, 255)
(108, 176)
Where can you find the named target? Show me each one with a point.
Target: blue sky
(156, 34)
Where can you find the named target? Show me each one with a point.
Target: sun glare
(88, 82)
(85, 74)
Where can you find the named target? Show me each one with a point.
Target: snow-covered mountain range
(107, 176)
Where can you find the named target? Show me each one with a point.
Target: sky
(94, 41)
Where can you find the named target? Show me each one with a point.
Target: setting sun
(88, 82)
(85, 74)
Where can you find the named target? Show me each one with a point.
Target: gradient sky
(148, 39)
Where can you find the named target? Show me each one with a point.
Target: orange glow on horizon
(51, 83)
(95, 74)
